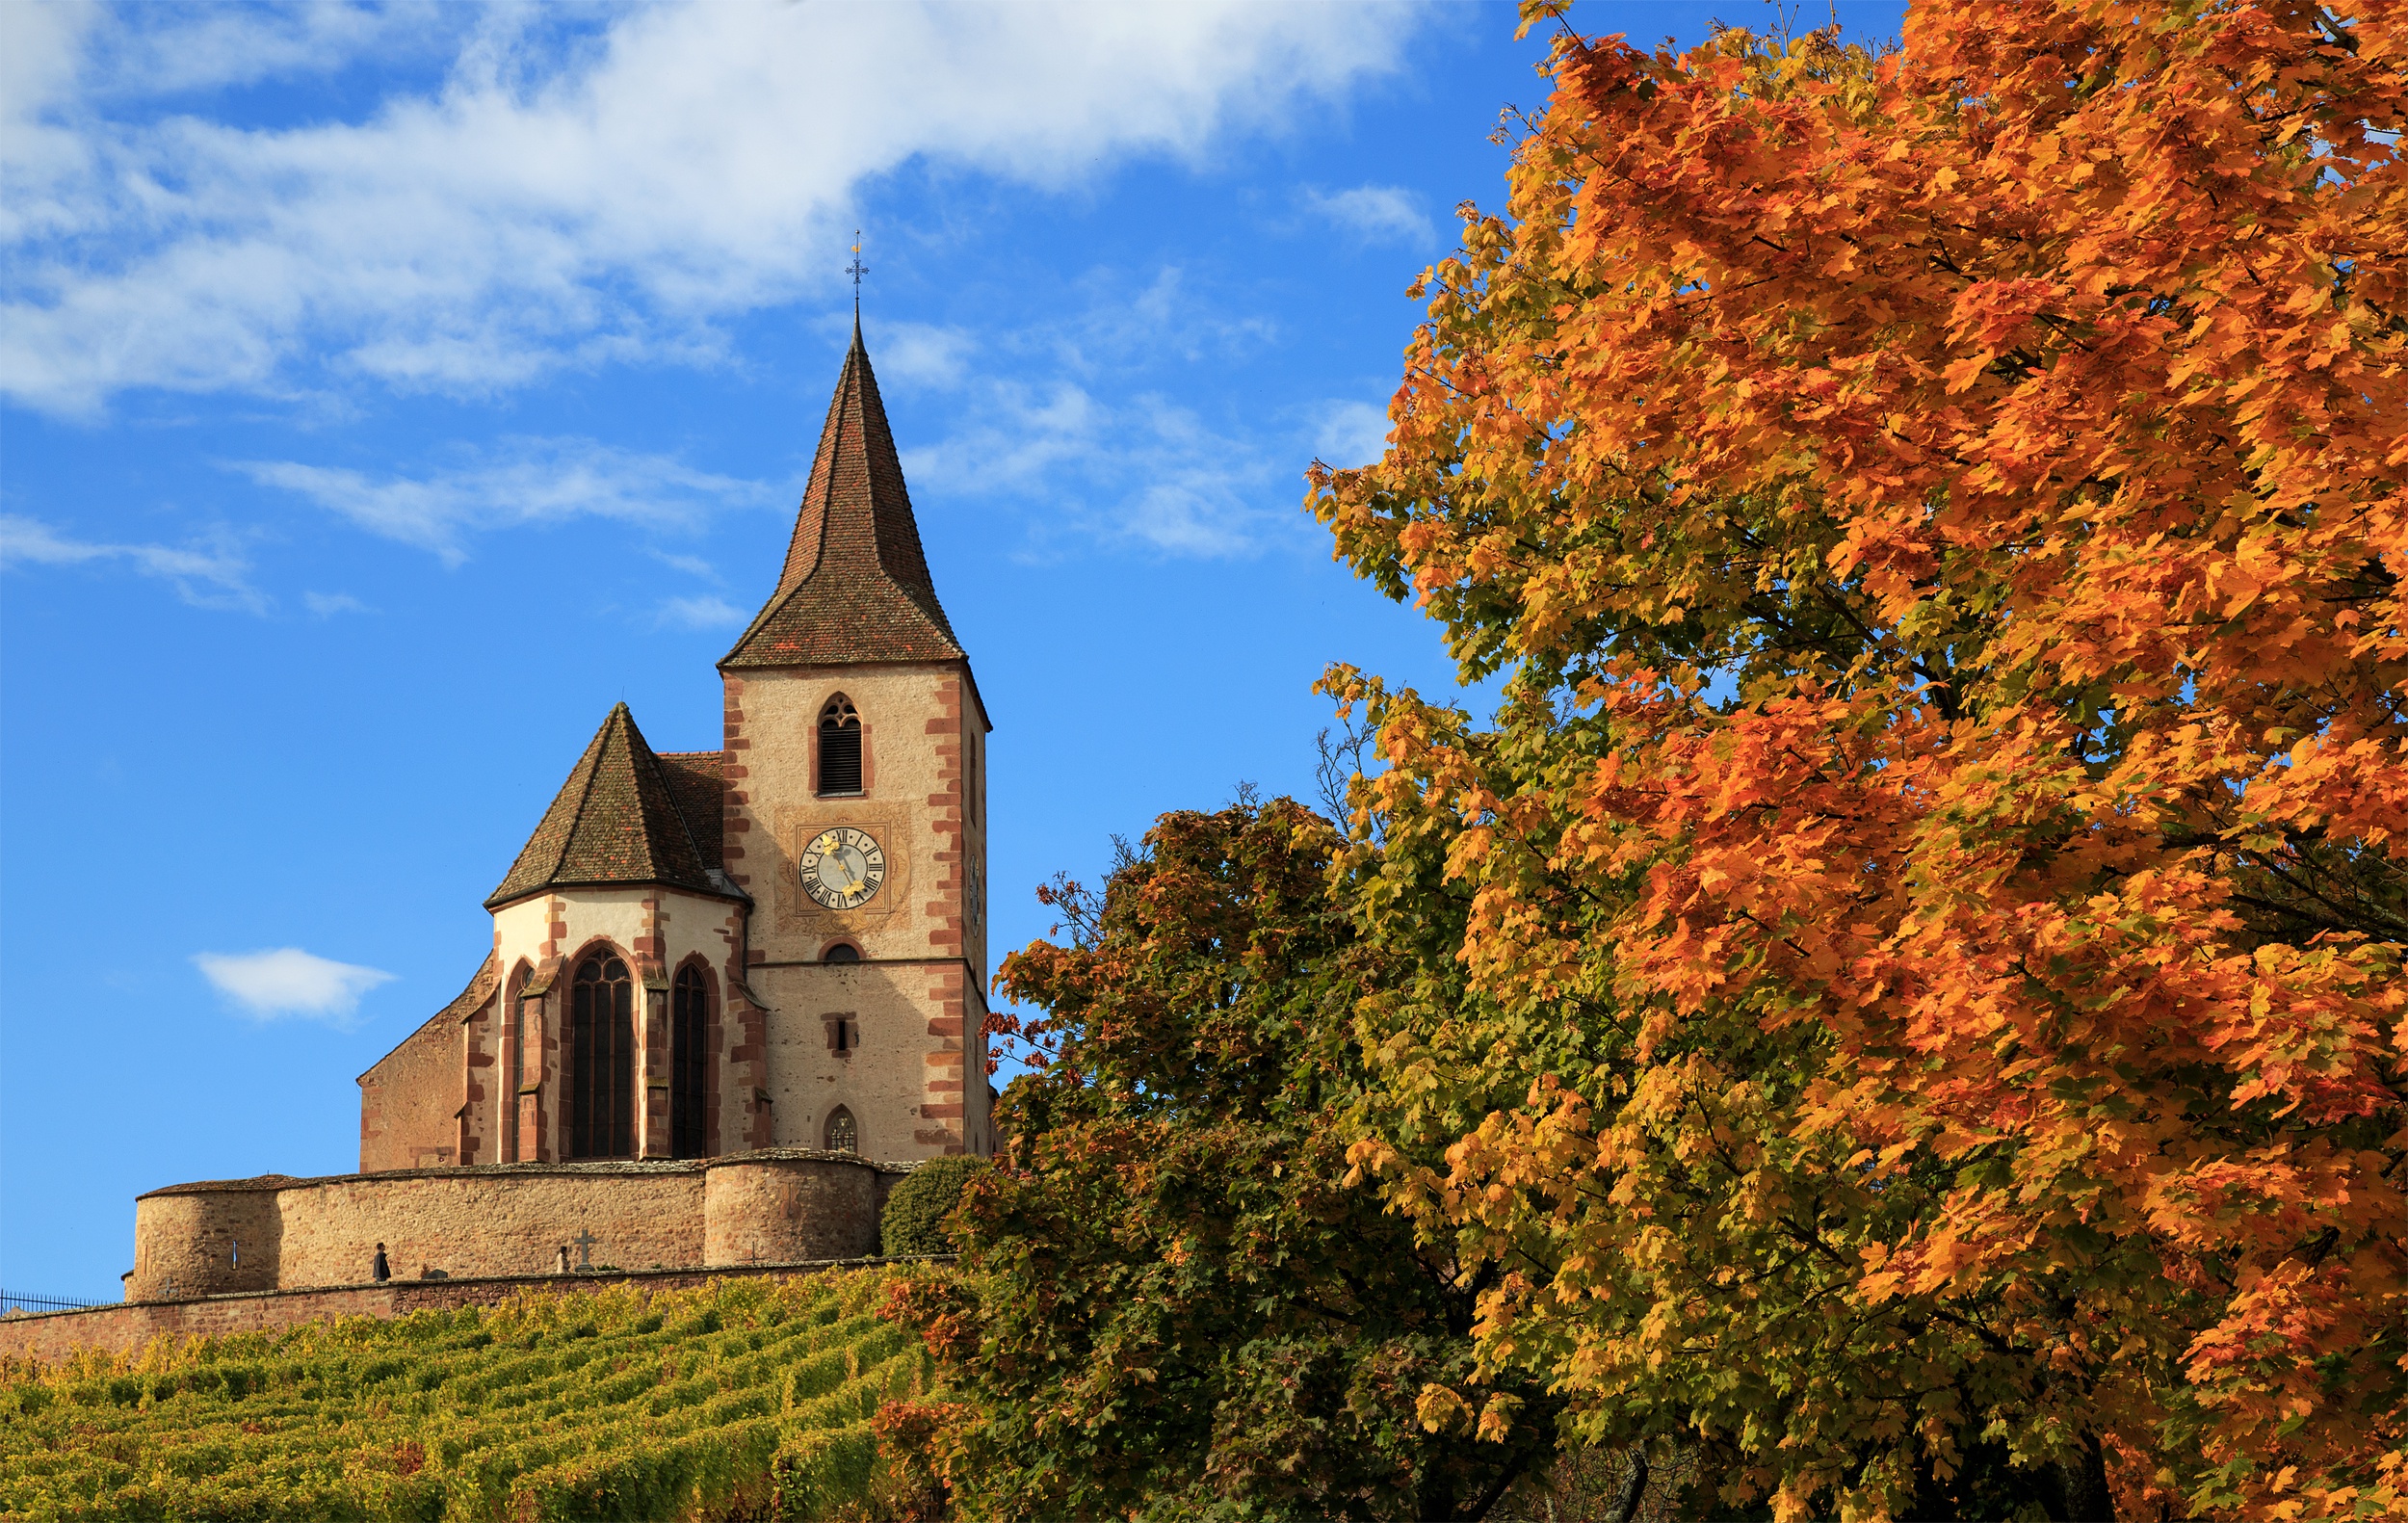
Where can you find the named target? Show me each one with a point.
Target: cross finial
(856, 270)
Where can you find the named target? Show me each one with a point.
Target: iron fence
(11, 1300)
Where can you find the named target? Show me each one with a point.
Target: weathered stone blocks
(782, 1205)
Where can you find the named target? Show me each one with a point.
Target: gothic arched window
(689, 1063)
(840, 747)
(602, 1060)
(842, 1136)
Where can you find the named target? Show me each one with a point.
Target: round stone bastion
(784, 1205)
(788, 1205)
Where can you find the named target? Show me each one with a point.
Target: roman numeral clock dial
(843, 868)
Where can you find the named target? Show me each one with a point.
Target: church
(777, 942)
(732, 994)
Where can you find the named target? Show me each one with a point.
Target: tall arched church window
(602, 1059)
(840, 747)
(689, 1063)
(842, 1136)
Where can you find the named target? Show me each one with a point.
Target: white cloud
(1164, 322)
(147, 51)
(923, 353)
(325, 605)
(702, 612)
(519, 481)
(581, 186)
(1144, 472)
(210, 573)
(691, 564)
(1352, 434)
(267, 985)
(1377, 214)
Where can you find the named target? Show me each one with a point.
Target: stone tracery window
(602, 1059)
(689, 1063)
(840, 747)
(842, 1136)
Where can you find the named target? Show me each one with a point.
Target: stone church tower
(779, 943)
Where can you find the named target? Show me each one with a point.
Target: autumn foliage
(1933, 1015)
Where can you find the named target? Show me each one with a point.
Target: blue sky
(384, 392)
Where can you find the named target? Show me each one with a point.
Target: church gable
(619, 819)
(409, 1102)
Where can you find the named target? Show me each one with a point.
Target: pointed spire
(616, 820)
(856, 584)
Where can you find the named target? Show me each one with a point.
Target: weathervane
(856, 270)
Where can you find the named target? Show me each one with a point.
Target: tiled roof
(618, 820)
(694, 781)
(855, 585)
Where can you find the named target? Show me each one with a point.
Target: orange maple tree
(1931, 1007)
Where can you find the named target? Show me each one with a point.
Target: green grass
(749, 1399)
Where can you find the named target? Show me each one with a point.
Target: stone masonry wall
(409, 1102)
(479, 1223)
(125, 1329)
(500, 1221)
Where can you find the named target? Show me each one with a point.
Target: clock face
(843, 868)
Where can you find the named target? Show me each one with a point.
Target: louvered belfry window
(689, 1063)
(840, 747)
(602, 1060)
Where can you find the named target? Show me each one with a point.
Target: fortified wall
(772, 1206)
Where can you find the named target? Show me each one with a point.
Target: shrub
(914, 1222)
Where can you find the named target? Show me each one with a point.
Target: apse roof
(855, 585)
(618, 820)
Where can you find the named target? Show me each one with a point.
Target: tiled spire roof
(855, 585)
(617, 820)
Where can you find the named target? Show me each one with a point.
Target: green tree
(915, 1215)
(1170, 1302)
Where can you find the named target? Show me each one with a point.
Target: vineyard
(749, 1399)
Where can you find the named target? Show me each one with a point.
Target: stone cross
(585, 1242)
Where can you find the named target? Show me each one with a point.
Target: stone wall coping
(614, 1168)
(571, 1280)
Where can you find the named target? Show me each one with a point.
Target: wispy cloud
(1377, 214)
(691, 564)
(288, 982)
(701, 612)
(923, 353)
(210, 573)
(325, 605)
(1165, 319)
(579, 186)
(516, 481)
(1352, 434)
(1145, 471)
